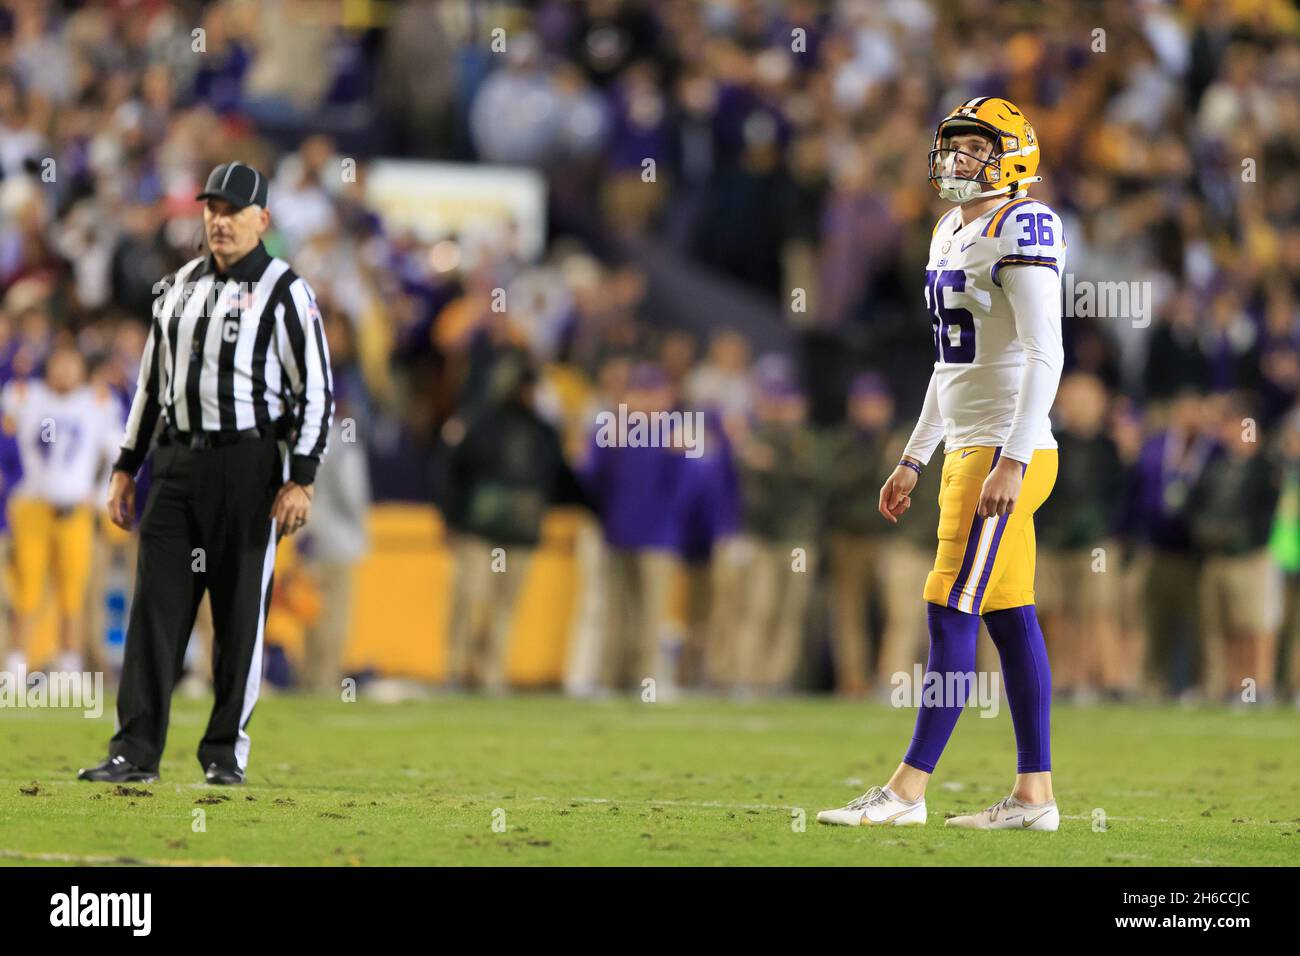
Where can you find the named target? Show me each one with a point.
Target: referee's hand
(121, 499)
(292, 507)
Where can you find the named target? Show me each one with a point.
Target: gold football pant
(986, 564)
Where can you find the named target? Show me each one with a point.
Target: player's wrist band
(910, 464)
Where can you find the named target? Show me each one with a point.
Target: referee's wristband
(910, 464)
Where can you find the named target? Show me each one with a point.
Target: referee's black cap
(236, 183)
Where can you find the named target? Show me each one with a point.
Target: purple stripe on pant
(972, 546)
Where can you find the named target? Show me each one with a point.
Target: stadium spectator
(337, 539)
(1168, 468)
(635, 487)
(1079, 559)
(709, 507)
(1285, 544)
(505, 472)
(856, 534)
(1239, 584)
(783, 474)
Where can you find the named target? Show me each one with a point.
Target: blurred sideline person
(1078, 588)
(634, 488)
(782, 481)
(855, 533)
(67, 434)
(1126, 428)
(505, 472)
(582, 668)
(337, 543)
(112, 565)
(11, 474)
(1285, 545)
(1239, 587)
(709, 509)
(338, 539)
(1167, 469)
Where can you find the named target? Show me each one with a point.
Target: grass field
(622, 782)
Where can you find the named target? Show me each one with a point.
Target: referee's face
(233, 230)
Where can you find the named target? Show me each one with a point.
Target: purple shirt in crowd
(635, 491)
(709, 507)
(1157, 512)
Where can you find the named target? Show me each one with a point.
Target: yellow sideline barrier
(404, 593)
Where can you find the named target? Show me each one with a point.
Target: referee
(235, 385)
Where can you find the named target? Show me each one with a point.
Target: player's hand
(292, 507)
(121, 499)
(896, 493)
(1001, 489)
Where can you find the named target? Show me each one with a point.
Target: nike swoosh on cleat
(1028, 823)
(889, 819)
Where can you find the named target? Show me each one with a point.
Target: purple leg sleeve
(952, 650)
(1028, 679)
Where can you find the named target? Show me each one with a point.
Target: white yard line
(706, 804)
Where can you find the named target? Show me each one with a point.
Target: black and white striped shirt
(231, 351)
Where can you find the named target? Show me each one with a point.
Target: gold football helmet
(1010, 165)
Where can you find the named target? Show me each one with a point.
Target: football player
(993, 294)
(67, 434)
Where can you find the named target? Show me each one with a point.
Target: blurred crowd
(777, 151)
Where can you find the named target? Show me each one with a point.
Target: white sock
(1032, 806)
(894, 796)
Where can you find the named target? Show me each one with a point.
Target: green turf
(622, 782)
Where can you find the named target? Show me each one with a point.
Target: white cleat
(1010, 814)
(878, 807)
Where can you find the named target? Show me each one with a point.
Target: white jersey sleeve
(1028, 233)
(929, 427)
(1035, 296)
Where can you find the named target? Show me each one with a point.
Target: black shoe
(222, 776)
(117, 770)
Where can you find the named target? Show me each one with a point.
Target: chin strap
(1014, 187)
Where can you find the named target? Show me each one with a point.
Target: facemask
(953, 189)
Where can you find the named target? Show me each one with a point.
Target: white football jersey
(979, 361)
(63, 440)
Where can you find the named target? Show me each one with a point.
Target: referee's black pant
(206, 526)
